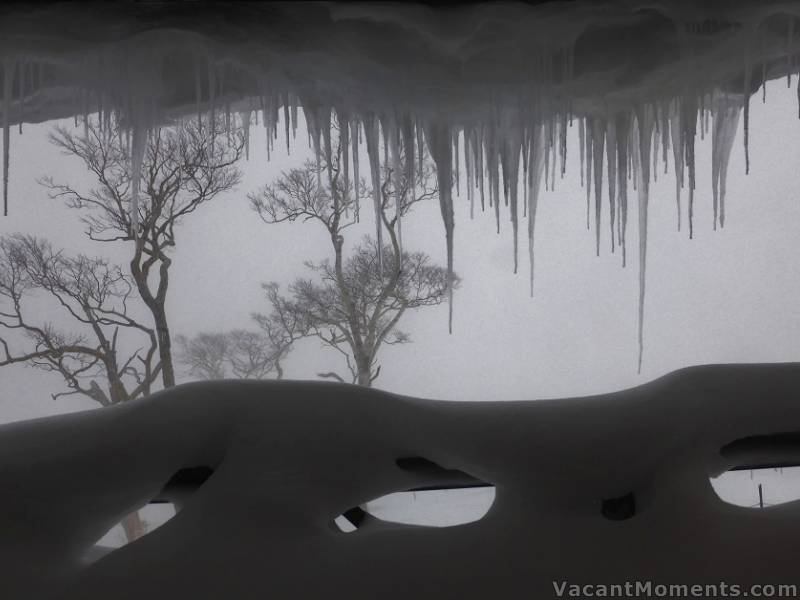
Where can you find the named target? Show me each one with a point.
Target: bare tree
(93, 295)
(184, 166)
(353, 303)
(104, 353)
(239, 354)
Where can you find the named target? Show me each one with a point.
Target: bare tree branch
(184, 167)
(352, 303)
(93, 295)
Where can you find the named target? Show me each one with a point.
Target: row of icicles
(495, 158)
(621, 152)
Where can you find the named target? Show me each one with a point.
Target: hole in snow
(135, 525)
(150, 517)
(433, 476)
(759, 487)
(426, 508)
(774, 450)
(619, 509)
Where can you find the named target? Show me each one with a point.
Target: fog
(724, 296)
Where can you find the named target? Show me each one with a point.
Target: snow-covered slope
(288, 457)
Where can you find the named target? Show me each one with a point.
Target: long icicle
(611, 158)
(138, 142)
(678, 149)
(354, 134)
(645, 122)
(535, 170)
(399, 195)
(440, 147)
(373, 152)
(8, 75)
(746, 124)
(598, 140)
(622, 126)
(510, 160)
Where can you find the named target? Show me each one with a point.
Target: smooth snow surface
(289, 457)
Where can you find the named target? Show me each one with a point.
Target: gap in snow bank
(423, 508)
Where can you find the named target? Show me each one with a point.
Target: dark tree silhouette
(239, 354)
(353, 302)
(102, 351)
(184, 166)
(104, 344)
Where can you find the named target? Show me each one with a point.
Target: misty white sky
(726, 296)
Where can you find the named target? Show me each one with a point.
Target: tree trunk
(134, 526)
(164, 346)
(364, 372)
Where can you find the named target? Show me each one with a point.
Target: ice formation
(493, 92)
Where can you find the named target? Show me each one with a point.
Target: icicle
(294, 118)
(408, 149)
(344, 147)
(8, 81)
(354, 133)
(533, 183)
(678, 149)
(373, 151)
(622, 127)
(689, 135)
(399, 196)
(525, 144)
(457, 166)
(746, 124)
(635, 156)
(588, 127)
(212, 90)
(138, 142)
(552, 129)
(665, 133)
(611, 157)
(440, 147)
(324, 124)
(598, 141)
(267, 132)
(763, 75)
(245, 117)
(22, 71)
(492, 168)
(420, 148)
(228, 122)
(547, 178)
(726, 120)
(582, 143)
(645, 126)
(510, 163)
(789, 41)
(563, 139)
(656, 142)
(198, 94)
(469, 168)
(313, 127)
(479, 152)
(286, 122)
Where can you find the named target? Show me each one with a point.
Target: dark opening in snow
(435, 477)
(619, 509)
(434, 507)
(758, 487)
(185, 482)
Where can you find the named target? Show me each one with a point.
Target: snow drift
(607, 488)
